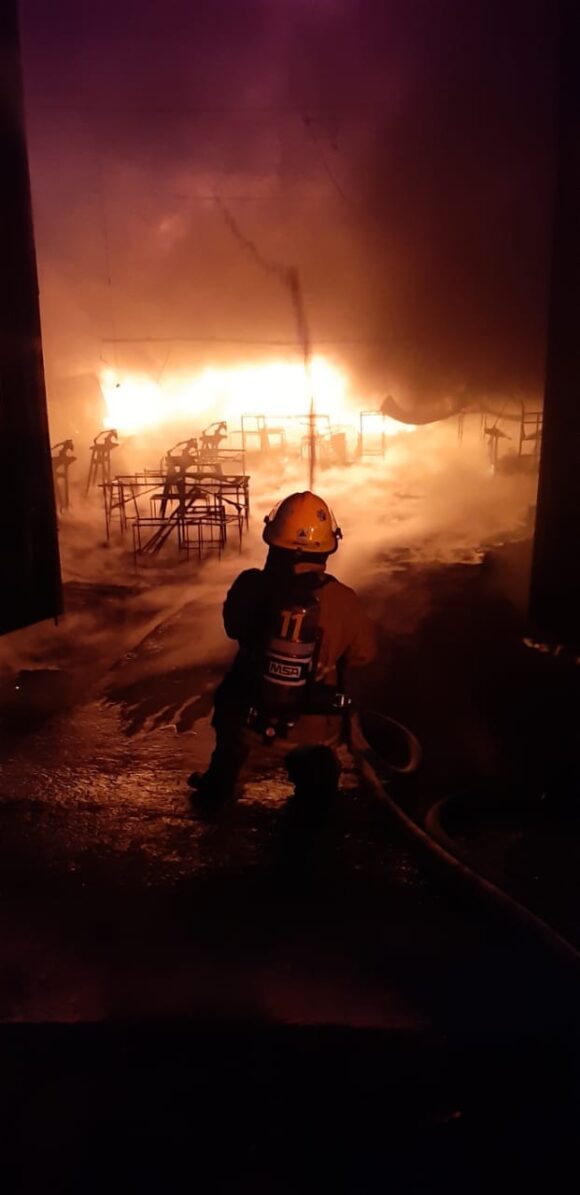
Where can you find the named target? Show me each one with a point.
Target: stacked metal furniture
(197, 498)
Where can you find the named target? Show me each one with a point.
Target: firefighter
(300, 632)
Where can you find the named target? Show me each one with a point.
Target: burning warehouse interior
(289, 616)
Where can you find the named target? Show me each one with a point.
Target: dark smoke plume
(399, 154)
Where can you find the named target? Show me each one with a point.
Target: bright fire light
(276, 389)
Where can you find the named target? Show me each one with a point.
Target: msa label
(288, 671)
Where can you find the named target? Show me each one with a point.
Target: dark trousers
(313, 767)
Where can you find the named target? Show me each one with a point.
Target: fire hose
(434, 841)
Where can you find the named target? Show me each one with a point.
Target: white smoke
(429, 501)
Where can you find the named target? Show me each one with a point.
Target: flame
(278, 389)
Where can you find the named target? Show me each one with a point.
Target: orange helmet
(302, 522)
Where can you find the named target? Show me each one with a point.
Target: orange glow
(136, 403)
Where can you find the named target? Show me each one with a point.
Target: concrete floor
(118, 901)
(271, 1011)
(265, 1013)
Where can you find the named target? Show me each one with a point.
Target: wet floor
(119, 901)
(277, 1007)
